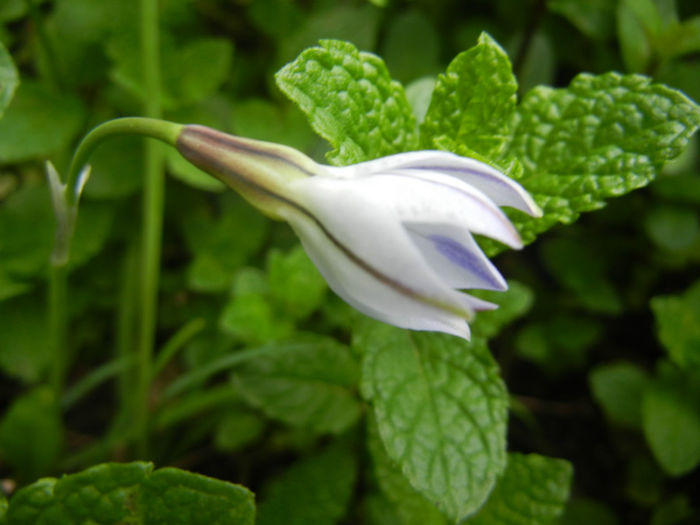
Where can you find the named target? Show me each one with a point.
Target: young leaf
(618, 388)
(601, 137)
(441, 410)
(678, 321)
(351, 101)
(532, 491)
(314, 491)
(295, 284)
(474, 101)
(114, 493)
(512, 304)
(38, 123)
(9, 79)
(31, 433)
(307, 384)
(671, 419)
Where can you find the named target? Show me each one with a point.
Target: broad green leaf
(31, 433)
(678, 321)
(251, 318)
(673, 228)
(117, 168)
(24, 353)
(257, 118)
(351, 101)
(635, 40)
(276, 18)
(411, 507)
(314, 491)
(473, 102)
(9, 79)
(295, 283)
(411, 46)
(309, 384)
(601, 137)
(512, 304)
(192, 70)
(673, 512)
(618, 388)
(238, 428)
(581, 269)
(671, 420)
(594, 18)
(585, 512)
(221, 239)
(532, 491)
(441, 410)
(114, 493)
(38, 123)
(559, 343)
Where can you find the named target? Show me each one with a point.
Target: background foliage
(264, 378)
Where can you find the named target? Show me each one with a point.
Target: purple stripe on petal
(461, 256)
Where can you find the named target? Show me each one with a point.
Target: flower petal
(370, 294)
(452, 252)
(501, 189)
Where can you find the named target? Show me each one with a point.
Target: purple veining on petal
(464, 258)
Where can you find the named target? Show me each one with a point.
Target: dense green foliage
(585, 382)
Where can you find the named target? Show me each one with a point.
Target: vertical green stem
(152, 220)
(58, 324)
(52, 66)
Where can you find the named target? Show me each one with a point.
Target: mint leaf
(306, 384)
(678, 321)
(31, 433)
(314, 491)
(532, 491)
(351, 101)
(441, 410)
(512, 304)
(38, 123)
(412, 507)
(618, 388)
(601, 137)
(295, 283)
(473, 102)
(9, 79)
(113, 493)
(671, 419)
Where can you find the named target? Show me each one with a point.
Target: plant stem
(58, 324)
(152, 221)
(53, 76)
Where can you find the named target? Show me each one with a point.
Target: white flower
(392, 236)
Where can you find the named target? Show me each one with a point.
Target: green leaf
(367, 116)
(671, 420)
(581, 269)
(584, 512)
(220, 243)
(31, 433)
(673, 228)
(117, 168)
(412, 507)
(512, 304)
(411, 46)
(295, 283)
(238, 428)
(618, 388)
(38, 123)
(473, 102)
(114, 493)
(441, 410)
(23, 350)
(601, 137)
(307, 384)
(9, 79)
(532, 491)
(678, 321)
(191, 71)
(594, 18)
(314, 491)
